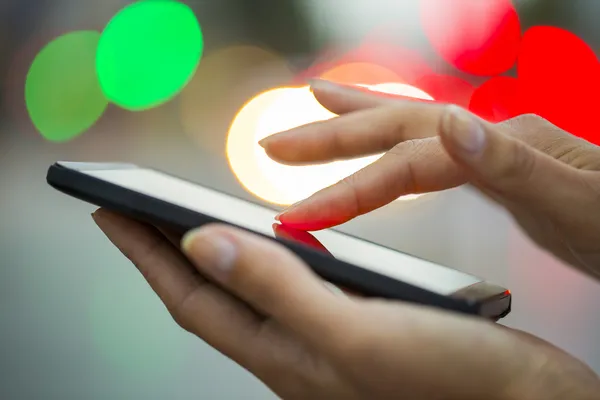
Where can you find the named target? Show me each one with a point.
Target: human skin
(261, 306)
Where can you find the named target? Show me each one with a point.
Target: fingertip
(461, 132)
(324, 85)
(191, 237)
(98, 214)
(213, 251)
(188, 240)
(275, 146)
(285, 151)
(104, 218)
(303, 222)
(268, 142)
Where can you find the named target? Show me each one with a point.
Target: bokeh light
(360, 72)
(475, 36)
(374, 61)
(408, 64)
(223, 83)
(495, 100)
(148, 52)
(401, 89)
(447, 89)
(559, 79)
(279, 110)
(62, 93)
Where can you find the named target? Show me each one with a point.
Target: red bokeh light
(559, 79)
(558, 74)
(480, 37)
(447, 89)
(495, 100)
(408, 64)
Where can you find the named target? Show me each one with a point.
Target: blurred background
(189, 87)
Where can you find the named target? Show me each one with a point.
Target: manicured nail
(322, 84)
(214, 253)
(463, 130)
(263, 142)
(288, 209)
(97, 220)
(278, 216)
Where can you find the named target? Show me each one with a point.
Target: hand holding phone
(259, 304)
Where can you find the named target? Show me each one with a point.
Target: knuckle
(353, 198)
(548, 138)
(521, 165)
(181, 311)
(591, 180)
(417, 148)
(531, 118)
(525, 121)
(412, 151)
(337, 143)
(407, 146)
(144, 257)
(527, 127)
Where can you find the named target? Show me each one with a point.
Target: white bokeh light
(279, 110)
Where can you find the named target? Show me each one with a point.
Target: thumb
(506, 167)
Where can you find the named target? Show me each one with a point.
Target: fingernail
(263, 142)
(214, 253)
(322, 84)
(278, 216)
(288, 209)
(463, 130)
(97, 220)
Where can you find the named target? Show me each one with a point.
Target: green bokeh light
(62, 92)
(148, 52)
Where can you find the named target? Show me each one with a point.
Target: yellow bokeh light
(278, 110)
(225, 80)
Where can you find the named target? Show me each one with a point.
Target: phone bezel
(68, 178)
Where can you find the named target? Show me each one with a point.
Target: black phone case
(166, 215)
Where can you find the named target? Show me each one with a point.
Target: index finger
(356, 134)
(412, 167)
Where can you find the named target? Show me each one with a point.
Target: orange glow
(278, 110)
(360, 72)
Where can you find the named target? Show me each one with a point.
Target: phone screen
(364, 254)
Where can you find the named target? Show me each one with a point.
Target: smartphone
(169, 202)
